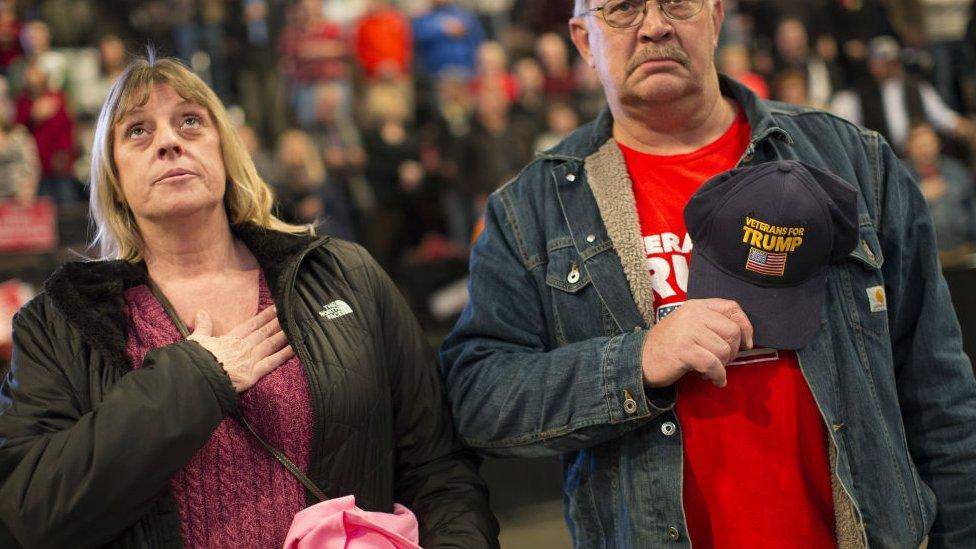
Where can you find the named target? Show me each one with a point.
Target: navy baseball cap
(764, 237)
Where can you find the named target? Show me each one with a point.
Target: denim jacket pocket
(867, 307)
(577, 309)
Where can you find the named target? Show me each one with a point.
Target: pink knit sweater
(233, 493)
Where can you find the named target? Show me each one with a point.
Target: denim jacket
(546, 357)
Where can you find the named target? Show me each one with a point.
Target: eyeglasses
(623, 14)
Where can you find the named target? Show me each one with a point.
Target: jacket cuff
(626, 395)
(215, 375)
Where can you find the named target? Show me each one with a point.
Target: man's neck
(187, 249)
(675, 128)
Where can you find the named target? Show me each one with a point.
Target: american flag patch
(766, 263)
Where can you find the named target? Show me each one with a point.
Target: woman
(299, 190)
(19, 164)
(949, 190)
(116, 431)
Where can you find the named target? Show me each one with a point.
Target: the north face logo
(335, 310)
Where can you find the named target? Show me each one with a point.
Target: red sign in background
(28, 228)
(13, 295)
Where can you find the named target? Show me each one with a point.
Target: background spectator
(92, 74)
(10, 27)
(790, 86)
(384, 46)
(553, 55)
(944, 25)
(19, 164)
(493, 71)
(313, 51)
(792, 52)
(561, 120)
(35, 39)
(302, 176)
(888, 99)
(255, 25)
(734, 61)
(44, 112)
(948, 188)
(447, 39)
(395, 174)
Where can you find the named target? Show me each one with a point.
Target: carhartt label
(877, 299)
(335, 310)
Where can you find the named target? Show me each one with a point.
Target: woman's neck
(188, 250)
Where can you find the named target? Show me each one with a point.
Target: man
(889, 100)
(792, 50)
(573, 342)
(446, 39)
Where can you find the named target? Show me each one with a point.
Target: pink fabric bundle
(339, 524)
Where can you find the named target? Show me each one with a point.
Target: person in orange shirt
(383, 44)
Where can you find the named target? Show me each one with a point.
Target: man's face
(791, 40)
(923, 145)
(659, 61)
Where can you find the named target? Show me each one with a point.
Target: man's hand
(454, 27)
(703, 336)
(250, 351)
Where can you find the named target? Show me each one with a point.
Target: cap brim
(782, 318)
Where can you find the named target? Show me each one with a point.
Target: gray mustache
(667, 51)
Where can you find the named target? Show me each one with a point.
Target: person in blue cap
(687, 419)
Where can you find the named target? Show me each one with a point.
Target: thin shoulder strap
(237, 415)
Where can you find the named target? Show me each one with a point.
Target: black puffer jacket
(88, 445)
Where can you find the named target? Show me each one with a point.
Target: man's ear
(580, 34)
(718, 17)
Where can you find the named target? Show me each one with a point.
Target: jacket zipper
(305, 358)
(833, 440)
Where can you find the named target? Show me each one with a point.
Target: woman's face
(168, 157)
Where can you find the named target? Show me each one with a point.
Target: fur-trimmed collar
(606, 173)
(90, 294)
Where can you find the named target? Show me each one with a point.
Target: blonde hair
(247, 198)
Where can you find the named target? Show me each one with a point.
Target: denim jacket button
(591, 238)
(668, 428)
(630, 406)
(574, 274)
(571, 177)
(673, 533)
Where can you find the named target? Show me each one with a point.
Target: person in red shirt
(493, 72)
(384, 46)
(10, 26)
(313, 50)
(44, 112)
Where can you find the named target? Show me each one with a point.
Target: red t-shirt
(301, 53)
(756, 472)
(383, 39)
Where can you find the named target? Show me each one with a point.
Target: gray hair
(581, 6)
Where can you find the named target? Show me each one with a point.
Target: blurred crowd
(390, 121)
